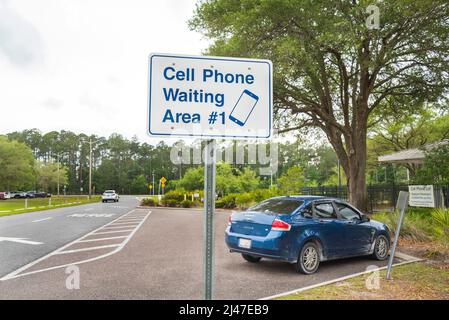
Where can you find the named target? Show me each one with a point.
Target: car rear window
(277, 206)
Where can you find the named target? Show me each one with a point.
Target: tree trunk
(356, 179)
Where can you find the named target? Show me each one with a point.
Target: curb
(398, 254)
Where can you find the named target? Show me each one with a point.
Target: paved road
(53, 228)
(162, 259)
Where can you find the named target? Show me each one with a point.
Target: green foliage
(291, 182)
(16, 165)
(333, 178)
(399, 129)
(148, 202)
(244, 200)
(247, 180)
(440, 219)
(48, 176)
(416, 227)
(139, 185)
(193, 179)
(173, 198)
(227, 202)
(186, 203)
(170, 203)
(262, 194)
(436, 166)
(331, 71)
(228, 179)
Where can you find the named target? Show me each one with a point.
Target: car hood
(378, 225)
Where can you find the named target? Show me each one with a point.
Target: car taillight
(279, 225)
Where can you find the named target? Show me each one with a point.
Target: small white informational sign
(421, 196)
(209, 97)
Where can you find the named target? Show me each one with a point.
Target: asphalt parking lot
(137, 254)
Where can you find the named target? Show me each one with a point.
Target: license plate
(245, 243)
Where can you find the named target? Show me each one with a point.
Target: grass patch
(17, 206)
(413, 281)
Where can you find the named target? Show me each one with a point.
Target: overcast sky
(82, 65)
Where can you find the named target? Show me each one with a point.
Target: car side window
(325, 211)
(307, 212)
(347, 213)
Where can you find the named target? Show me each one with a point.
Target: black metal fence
(380, 197)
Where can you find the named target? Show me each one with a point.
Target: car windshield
(277, 206)
(109, 191)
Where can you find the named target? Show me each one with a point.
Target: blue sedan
(305, 230)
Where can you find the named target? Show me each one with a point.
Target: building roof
(415, 156)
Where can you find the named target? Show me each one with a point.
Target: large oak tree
(331, 70)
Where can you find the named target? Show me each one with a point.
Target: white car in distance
(109, 195)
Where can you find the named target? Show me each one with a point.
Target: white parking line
(117, 231)
(88, 249)
(120, 227)
(102, 239)
(39, 220)
(17, 273)
(127, 223)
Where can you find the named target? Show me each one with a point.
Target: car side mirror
(365, 218)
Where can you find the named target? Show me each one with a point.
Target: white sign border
(208, 136)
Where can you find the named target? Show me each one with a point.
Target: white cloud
(82, 65)
(20, 42)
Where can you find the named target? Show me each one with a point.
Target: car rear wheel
(381, 248)
(309, 259)
(251, 258)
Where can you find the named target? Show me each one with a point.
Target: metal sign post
(209, 98)
(401, 206)
(209, 211)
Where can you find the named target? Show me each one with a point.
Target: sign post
(209, 192)
(162, 182)
(401, 206)
(209, 98)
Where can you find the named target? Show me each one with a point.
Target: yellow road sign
(163, 180)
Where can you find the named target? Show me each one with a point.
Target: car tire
(381, 248)
(251, 258)
(308, 259)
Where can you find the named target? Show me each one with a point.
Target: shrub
(263, 194)
(243, 200)
(228, 201)
(219, 204)
(440, 219)
(170, 203)
(415, 226)
(173, 198)
(148, 202)
(174, 195)
(186, 203)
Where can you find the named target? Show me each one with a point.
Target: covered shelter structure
(411, 158)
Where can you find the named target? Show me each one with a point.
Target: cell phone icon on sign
(243, 108)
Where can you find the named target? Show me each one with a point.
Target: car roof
(308, 198)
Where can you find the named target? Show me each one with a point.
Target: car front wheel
(309, 259)
(251, 258)
(381, 248)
